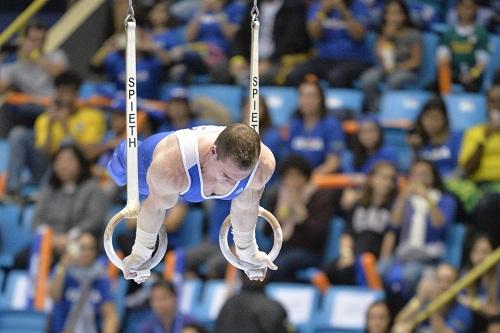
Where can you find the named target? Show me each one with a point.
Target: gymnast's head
(237, 150)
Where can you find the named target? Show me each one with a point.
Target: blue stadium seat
(22, 321)
(455, 238)
(92, 88)
(402, 104)
(338, 99)
(281, 102)
(27, 215)
(466, 110)
(3, 301)
(189, 296)
(17, 282)
(299, 300)
(494, 63)
(428, 69)
(214, 295)
(13, 236)
(335, 229)
(4, 155)
(344, 309)
(191, 232)
(226, 95)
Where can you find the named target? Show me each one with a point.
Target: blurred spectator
(81, 291)
(464, 50)
(483, 296)
(369, 148)
(161, 23)
(452, 317)
(483, 17)
(494, 24)
(378, 318)
(252, 311)
(432, 139)
(166, 317)
(425, 13)
(33, 71)
(338, 28)
(368, 224)
(423, 211)
(494, 325)
(70, 203)
(304, 212)
(480, 159)
(193, 328)
(150, 62)
(211, 31)
(313, 133)
(178, 112)
(63, 121)
(399, 52)
(283, 44)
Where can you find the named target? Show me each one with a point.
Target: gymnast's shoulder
(265, 170)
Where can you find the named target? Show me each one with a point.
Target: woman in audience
(483, 296)
(368, 223)
(423, 211)
(314, 134)
(432, 139)
(399, 51)
(378, 318)
(81, 291)
(178, 112)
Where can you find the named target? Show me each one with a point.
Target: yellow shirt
(85, 126)
(489, 168)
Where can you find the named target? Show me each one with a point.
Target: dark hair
(55, 182)
(165, 284)
(241, 143)
(470, 243)
(437, 181)
(367, 195)
(264, 117)
(374, 304)
(406, 12)
(68, 78)
(360, 152)
(435, 103)
(171, 21)
(323, 111)
(296, 162)
(35, 25)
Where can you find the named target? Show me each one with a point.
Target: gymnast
(205, 162)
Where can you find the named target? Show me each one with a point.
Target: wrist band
(246, 245)
(144, 243)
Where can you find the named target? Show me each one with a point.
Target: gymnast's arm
(245, 207)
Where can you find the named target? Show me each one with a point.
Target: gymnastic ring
(236, 262)
(111, 253)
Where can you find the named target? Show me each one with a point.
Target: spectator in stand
(339, 29)
(166, 318)
(452, 317)
(368, 224)
(252, 311)
(161, 25)
(193, 328)
(81, 291)
(484, 14)
(480, 159)
(378, 318)
(314, 134)
(369, 148)
(399, 52)
(63, 121)
(70, 203)
(32, 72)
(423, 211)
(432, 139)
(178, 112)
(284, 42)
(463, 53)
(303, 211)
(482, 297)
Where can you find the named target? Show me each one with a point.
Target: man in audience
(63, 121)
(82, 292)
(452, 317)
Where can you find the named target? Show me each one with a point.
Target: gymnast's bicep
(164, 184)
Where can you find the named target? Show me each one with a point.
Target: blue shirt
(149, 71)
(335, 43)
(101, 293)
(458, 318)
(445, 156)
(168, 39)
(385, 153)
(154, 325)
(316, 143)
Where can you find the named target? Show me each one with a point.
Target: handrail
(21, 20)
(455, 289)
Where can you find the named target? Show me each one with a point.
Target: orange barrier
(444, 76)
(369, 264)
(3, 184)
(170, 262)
(113, 271)
(336, 180)
(43, 272)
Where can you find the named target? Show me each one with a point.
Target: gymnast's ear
(213, 150)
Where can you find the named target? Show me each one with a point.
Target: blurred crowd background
(383, 117)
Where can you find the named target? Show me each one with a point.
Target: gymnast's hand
(260, 259)
(132, 268)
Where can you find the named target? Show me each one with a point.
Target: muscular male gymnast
(205, 162)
